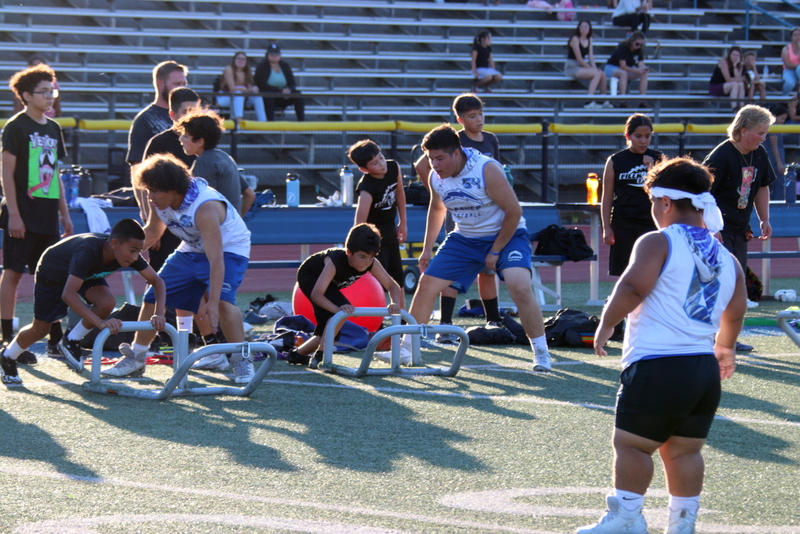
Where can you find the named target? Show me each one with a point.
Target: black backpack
(556, 240)
(571, 328)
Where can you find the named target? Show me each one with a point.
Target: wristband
(492, 252)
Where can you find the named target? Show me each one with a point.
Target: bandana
(712, 217)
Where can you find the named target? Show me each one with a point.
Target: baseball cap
(273, 49)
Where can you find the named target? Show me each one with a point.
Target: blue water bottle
(292, 190)
(790, 180)
(65, 175)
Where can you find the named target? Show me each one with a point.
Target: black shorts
(736, 243)
(306, 283)
(169, 242)
(671, 396)
(48, 306)
(626, 232)
(21, 253)
(390, 259)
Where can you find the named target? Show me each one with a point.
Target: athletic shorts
(610, 70)
(669, 396)
(460, 258)
(26, 252)
(306, 283)
(390, 259)
(626, 232)
(187, 275)
(48, 306)
(449, 226)
(736, 243)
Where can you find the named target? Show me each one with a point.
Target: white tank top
(181, 222)
(703, 274)
(464, 196)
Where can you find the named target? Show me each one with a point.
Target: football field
(496, 449)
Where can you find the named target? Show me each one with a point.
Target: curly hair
(202, 124)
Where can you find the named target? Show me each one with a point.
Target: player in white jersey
(211, 259)
(685, 299)
(490, 232)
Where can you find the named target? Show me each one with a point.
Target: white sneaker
(608, 105)
(681, 523)
(542, 362)
(592, 105)
(130, 365)
(243, 371)
(617, 521)
(386, 356)
(213, 362)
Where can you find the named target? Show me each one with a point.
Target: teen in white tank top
(181, 222)
(465, 197)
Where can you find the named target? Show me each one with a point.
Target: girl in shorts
(625, 207)
(483, 69)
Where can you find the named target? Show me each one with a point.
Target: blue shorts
(460, 258)
(187, 274)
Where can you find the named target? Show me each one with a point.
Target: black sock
(446, 307)
(491, 310)
(7, 326)
(210, 339)
(56, 334)
(318, 355)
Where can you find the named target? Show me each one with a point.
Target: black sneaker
(27, 358)
(52, 351)
(494, 324)
(315, 362)
(297, 359)
(9, 366)
(71, 350)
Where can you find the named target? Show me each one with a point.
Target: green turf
(495, 449)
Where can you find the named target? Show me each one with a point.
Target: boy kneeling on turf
(73, 271)
(323, 275)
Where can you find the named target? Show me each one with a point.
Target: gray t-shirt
(221, 172)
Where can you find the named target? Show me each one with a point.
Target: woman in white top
(580, 63)
(238, 78)
(632, 13)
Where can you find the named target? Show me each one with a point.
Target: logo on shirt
(458, 194)
(634, 177)
(701, 298)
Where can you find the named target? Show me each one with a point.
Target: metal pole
(545, 162)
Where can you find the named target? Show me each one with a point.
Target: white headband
(704, 201)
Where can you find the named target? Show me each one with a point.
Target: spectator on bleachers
(55, 111)
(753, 81)
(580, 63)
(790, 55)
(483, 69)
(632, 14)
(728, 78)
(627, 64)
(238, 78)
(153, 120)
(200, 131)
(274, 75)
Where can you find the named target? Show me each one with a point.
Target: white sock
(139, 349)
(538, 343)
(13, 351)
(185, 323)
(628, 500)
(678, 504)
(405, 343)
(78, 332)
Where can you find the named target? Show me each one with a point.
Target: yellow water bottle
(592, 185)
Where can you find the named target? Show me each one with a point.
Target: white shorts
(484, 72)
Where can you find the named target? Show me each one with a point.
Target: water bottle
(292, 190)
(74, 185)
(766, 71)
(65, 175)
(346, 185)
(592, 185)
(509, 176)
(790, 180)
(85, 183)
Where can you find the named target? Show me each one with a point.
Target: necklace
(752, 155)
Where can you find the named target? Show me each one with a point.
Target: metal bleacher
(369, 60)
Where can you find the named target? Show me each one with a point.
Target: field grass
(496, 449)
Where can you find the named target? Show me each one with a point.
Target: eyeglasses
(637, 44)
(47, 93)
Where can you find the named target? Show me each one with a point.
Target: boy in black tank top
(323, 275)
